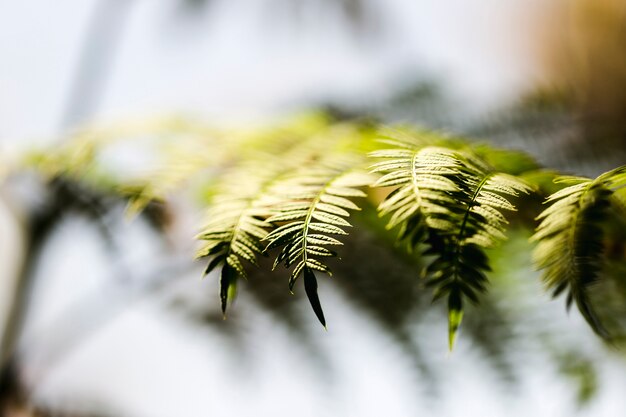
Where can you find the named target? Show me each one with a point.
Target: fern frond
(314, 204)
(256, 184)
(236, 226)
(453, 202)
(423, 178)
(570, 238)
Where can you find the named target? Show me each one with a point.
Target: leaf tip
(455, 316)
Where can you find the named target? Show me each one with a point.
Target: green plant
(571, 240)
(289, 191)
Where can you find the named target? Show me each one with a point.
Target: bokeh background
(114, 319)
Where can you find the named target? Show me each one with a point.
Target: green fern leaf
(237, 225)
(314, 204)
(570, 238)
(452, 202)
(232, 239)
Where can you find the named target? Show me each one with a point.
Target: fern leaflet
(453, 202)
(236, 228)
(315, 203)
(570, 238)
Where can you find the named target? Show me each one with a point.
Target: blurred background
(105, 317)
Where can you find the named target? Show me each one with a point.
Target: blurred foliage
(570, 236)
